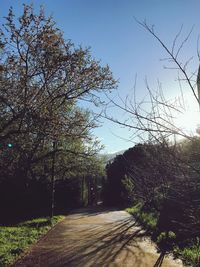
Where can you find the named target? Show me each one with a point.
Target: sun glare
(188, 121)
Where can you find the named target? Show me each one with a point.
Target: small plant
(166, 236)
(166, 240)
(135, 209)
(149, 220)
(191, 254)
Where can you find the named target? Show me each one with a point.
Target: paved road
(89, 238)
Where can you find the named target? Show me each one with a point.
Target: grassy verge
(190, 253)
(14, 240)
(147, 219)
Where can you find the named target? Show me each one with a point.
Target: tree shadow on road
(107, 244)
(160, 259)
(91, 241)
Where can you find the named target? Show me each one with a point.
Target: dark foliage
(165, 181)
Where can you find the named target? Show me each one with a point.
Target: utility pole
(53, 178)
(198, 85)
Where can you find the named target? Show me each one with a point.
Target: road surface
(90, 238)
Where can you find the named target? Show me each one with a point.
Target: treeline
(46, 146)
(162, 183)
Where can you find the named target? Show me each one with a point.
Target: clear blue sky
(108, 26)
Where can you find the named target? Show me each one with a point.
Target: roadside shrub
(191, 254)
(166, 240)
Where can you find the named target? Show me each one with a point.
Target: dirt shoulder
(92, 238)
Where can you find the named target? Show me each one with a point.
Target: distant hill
(111, 156)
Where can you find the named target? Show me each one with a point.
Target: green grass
(147, 219)
(191, 254)
(16, 239)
